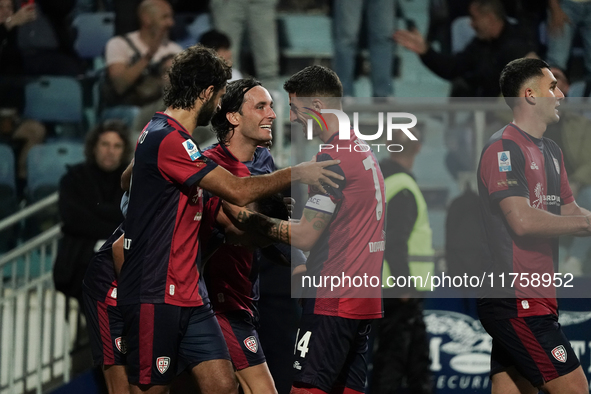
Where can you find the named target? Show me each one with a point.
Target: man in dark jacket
(89, 197)
(475, 71)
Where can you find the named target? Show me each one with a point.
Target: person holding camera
(137, 61)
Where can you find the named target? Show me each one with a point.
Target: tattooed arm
(303, 234)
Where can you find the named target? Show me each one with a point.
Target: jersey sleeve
(566, 194)
(502, 171)
(180, 161)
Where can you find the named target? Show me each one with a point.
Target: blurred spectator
(566, 17)
(403, 344)
(380, 24)
(475, 71)
(47, 44)
(11, 61)
(258, 17)
(89, 197)
(442, 13)
(137, 62)
(126, 18)
(21, 135)
(220, 43)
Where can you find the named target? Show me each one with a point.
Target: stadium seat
(46, 164)
(94, 30)
(55, 100)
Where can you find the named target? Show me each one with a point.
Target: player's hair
(116, 125)
(215, 40)
(314, 81)
(494, 6)
(231, 102)
(192, 72)
(516, 73)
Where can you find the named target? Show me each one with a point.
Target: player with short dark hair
(337, 228)
(527, 203)
(168, 320)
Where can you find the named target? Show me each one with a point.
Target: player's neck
(332, 123)
(242, 148)
(531, 125)
(187, 119)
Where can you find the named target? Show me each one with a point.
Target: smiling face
(255, 119)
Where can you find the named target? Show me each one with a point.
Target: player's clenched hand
(315, 174)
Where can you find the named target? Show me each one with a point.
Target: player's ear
(530, 95)
(233, 118)
(318, 104)
(207, 93)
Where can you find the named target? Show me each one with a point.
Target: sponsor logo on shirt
(251, 344)
(162, 364)
(504, 161)
(114, 293)
(559, 353)
(296, 365)
(171, 290)
(192, 150)
(525, 304)
(544, 199)
(534, 166)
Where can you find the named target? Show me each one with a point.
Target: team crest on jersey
(559, 353)
(504, 161)
(557, 165)
(162, 364)
(121, 345)
(192, 150)
(251, 344)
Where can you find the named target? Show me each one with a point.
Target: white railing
(35, 337)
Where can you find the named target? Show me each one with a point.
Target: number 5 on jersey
(302, 344)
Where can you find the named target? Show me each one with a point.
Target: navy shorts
(163, 340)
(330, 352)
(535, 346)
(242, 339)
(105, 329)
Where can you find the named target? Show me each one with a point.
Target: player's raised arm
(242, 191)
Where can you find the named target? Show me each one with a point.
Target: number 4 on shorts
(302, 344)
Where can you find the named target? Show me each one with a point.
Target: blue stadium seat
(94, 30)
(54, 99)
(46, 164)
